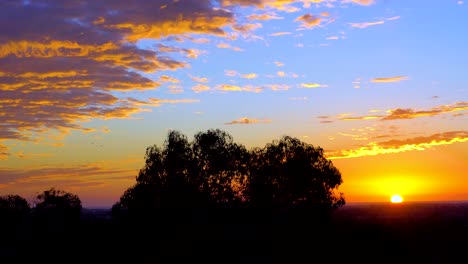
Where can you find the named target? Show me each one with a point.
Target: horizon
(380, 85)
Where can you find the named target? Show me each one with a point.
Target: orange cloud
(263, 17)
(246, 121)
(309, 21)
(409, 113)
(397, 146)
(390, 79)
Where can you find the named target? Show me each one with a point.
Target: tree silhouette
(221, 166)
(292, 173)
(57, 206)
(213, 171)
(13, 209)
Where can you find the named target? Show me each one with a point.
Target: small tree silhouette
(13, 209)
(57, 207)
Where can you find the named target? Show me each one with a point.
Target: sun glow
(396, 199)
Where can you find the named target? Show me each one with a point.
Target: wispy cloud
(312, 85)
(247, 121)
(366, 24)
(361, 2)
(390, 79)
(397, 146)
(224, 45)
(199, 79)
(277, 34)
(263, 17)
(409, 113)
(237, 88)
(200, 88)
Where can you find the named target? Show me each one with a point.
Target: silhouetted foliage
(292, 173)
(214, 172)
(13, 209)
(57, 206)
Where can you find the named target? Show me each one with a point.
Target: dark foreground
(374, 233)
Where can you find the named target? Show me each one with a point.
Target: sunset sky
(380, 85)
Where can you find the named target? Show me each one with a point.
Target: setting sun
(396, 199)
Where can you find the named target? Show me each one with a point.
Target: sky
(380, 85)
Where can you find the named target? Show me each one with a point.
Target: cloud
(408, 113)
(223, 45)
(366, 24)
(279, 64)
(397, 146)
(312, 85)
(230, 73)
(263, 17)
(249, 76)
(309, 21)
(390, 79)
(246, 121)
(199, 79)
(65, 63)
(333, 38)
(3, 152)
(393, 18)
(236, 88)
(411, 113)
(277, 34)
(361, 2)
(165, 78)
(200, 88)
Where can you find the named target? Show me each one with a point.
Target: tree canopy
(213, 170)
(58, 205)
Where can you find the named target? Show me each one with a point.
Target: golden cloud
(246, 121)
(236, 88)
(61, 64)
(249, 76)
(311, 85)
(390, 79)
(397, 146)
